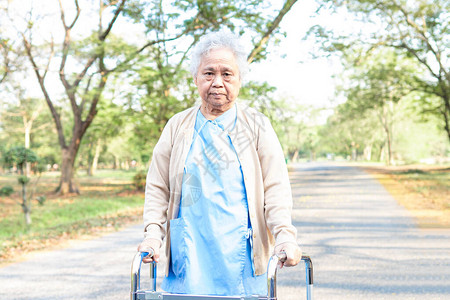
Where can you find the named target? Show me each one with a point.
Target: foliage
(348, 134)
(18, 156)
(161, 85)
(139, 180)
(108, 124)
(261, 97)
(6, 190)
(296, 125)
(25, 121)
(41, 200)
(417, 30)
(378, 83)
(23, 180)
(360, 136)
(153, 61)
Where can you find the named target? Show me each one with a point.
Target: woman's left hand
(293, 253)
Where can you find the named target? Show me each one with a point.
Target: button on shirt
(211, 251)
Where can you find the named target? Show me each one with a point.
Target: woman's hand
(150, 246)
(293, 254)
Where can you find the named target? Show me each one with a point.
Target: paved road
(363, 245)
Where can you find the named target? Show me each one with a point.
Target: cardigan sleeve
(157, 189)
(277, 188)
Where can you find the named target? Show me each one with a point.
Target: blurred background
(86, 88)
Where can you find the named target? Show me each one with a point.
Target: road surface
(362, 243)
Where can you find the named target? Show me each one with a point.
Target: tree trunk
(26, 205)
(116, 163)
(90, 159)
(382, 153)
(389, 142)
(389, 145)
(446, 114)
(98, 148)
(295, 156)
(89, 170)
(27, 213)
(312, 155)
(387, 129)
(93, 159)
(368, 152)
(27, 146)
(67, 183)
(354, 154)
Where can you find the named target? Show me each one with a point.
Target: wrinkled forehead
(220, 57)
(218, 52)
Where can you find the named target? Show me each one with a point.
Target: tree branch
(404, 45)
(52, 54)
(4, 48)
(65, 50)
(86, 91)
(276, 22)
(93, 107)
(423, 37)
(145, 47)
(55, 115)
(103, 36)
(63, 19)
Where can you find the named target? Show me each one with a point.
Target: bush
(6, 191)
(23, 179)
(41, 200)
(139, 181)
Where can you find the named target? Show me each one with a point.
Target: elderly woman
(219, 179)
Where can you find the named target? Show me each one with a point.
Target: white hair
(219, 40)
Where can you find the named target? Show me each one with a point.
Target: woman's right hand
(150, 246)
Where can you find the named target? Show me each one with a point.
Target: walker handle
(272, 275)
(136, 274)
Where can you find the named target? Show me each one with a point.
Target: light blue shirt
(211, 238)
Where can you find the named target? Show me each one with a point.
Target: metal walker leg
(137, 294)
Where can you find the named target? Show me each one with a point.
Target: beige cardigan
(265, 177)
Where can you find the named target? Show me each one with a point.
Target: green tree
(417, 29)
(83, 73)
(350, 132)
(378, 84)
(19, 157)
(85, 65)
(107, 125)
(162, 86)
(125, 147)
(5, 60)
(21, 118)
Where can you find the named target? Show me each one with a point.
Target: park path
(363, 246)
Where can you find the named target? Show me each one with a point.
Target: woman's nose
(218, 81)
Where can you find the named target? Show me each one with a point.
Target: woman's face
(218, 79)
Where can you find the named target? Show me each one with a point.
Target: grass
(107, 202)
(423, 190)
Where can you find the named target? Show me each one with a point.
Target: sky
(290, 66)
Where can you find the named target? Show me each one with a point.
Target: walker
(138, 294)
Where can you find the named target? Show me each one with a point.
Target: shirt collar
(226, 121)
